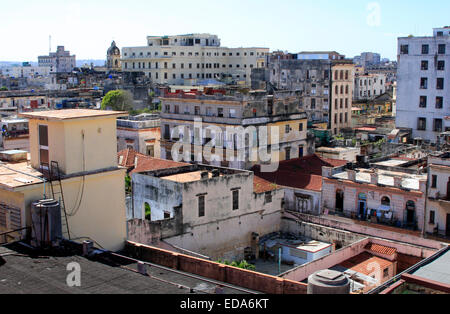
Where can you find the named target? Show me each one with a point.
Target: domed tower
(113, 58)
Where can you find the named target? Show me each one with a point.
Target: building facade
(367, 59)
(60, 61)
(226, 120)
(341, 95)
(423, 93)
(369, 86)
(141, 133)
(191, 58)
(113, 62)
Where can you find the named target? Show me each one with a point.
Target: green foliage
(128, 184)
(119, 100)
(242, 264)
(148, 212)
(3, 88)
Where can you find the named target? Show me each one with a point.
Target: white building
(369, 86)
(423, 95)
(28, 71)
(60, 61)
(188, 58)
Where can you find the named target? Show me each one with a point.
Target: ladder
(53, 174)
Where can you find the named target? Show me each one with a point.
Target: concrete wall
(231, 275)
(292, 196)
(389, 233)
(161, 195)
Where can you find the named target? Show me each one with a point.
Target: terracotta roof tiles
(377, 248)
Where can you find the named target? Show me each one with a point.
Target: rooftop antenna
(50, 43)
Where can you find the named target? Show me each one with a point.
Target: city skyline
(87, 29)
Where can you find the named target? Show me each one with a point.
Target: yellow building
(83, 143)
(341, 95)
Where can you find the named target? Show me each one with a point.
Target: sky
(87, 27)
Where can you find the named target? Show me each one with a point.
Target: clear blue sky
(87, 27)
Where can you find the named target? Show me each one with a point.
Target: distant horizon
(87, 28)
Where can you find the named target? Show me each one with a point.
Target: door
(448, 189)
(43, 144)
(362, 208)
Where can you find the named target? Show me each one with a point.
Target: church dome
(113, 50)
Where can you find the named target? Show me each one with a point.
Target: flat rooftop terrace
(187, 177)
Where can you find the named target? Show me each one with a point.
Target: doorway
(447, 229)
(410, 212)
(362, 205)
(340, 201)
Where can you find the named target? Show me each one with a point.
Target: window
(441, 65)
(437, 125)
(432, 216)
(404, 49)
(166, 215)
(423, 102)
(220, 112)
(441, 49)
(425, 49)
(424, 66)
(235, 199)
(440, 83)
(268, 198)
(287, 129)
(313, 103)
(201, 206)
(300, 127)
(197, 110)
(288, 153)
(386, 273)
(439, 102)
(422, 124)
(434, 181)
(423, 83)
(43, 144)
(177, 109)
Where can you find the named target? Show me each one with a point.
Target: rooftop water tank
(328, 282)
(46, 223)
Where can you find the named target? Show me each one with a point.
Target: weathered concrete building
(226, 130)
(369, 86)
(213, 211)
(438, 203)
(141, 133)
(387, 195)
(60, 61)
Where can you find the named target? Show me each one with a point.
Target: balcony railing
(15, 134)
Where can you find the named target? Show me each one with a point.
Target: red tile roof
(364, 263)
(145, 163)
(304, 173)
(377, 248)
(261, 186)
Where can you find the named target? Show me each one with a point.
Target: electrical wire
(83, 182)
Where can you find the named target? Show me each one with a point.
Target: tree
(3, 88)
(119, 100)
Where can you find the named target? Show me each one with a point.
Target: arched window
(385, 201)
(148, 211)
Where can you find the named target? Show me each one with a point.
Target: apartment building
(191, 58)
(232, 124)
(423, 95)
(341, 95)
(367, 59)
(325, 82)
(60, 61)
(369, 86)
(438, 206)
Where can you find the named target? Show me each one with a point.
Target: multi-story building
(60, 61)
(423, 95)
(368, 59)
(369, 86)
(27, 71)
(341, 95)
(190, 58)
(325, 81)
(141, 133)
(226, 119)
(91, 192)
(438, 203)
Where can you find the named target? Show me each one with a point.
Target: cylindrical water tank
(328, 282)
(46, 223)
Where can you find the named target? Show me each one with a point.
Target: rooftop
(304, 173)
(70, 114)
(261, 186)
(128, 158)
(14, 175)
(377, 248)
(24, 272)
(437, 270)
(187, 177)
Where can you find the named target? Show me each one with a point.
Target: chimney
(398, 182)
(351, 175)
(374, 178)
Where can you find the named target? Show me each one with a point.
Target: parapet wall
(224, 273)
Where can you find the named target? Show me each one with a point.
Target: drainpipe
(426, 201)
